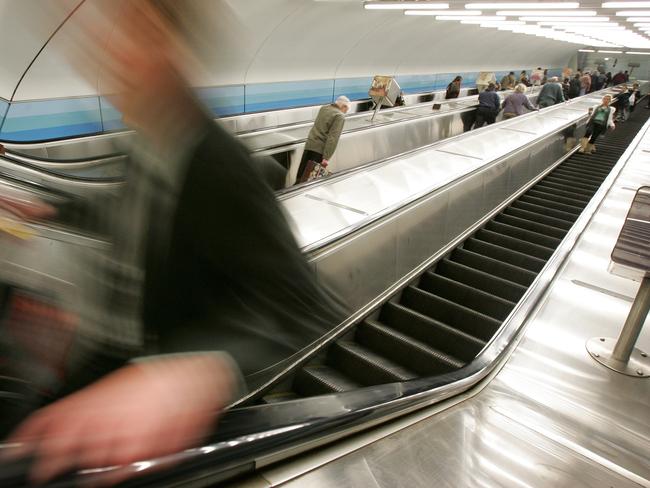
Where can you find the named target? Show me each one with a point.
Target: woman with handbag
(601, 119)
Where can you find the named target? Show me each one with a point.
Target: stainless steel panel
(482, 448)
(361, 269)
(313, 220)
(466, 204)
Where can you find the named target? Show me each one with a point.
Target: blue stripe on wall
(353, 88)
(224, 100)
(51, 119)
(4, 106)
(54, 119)
(271, 96)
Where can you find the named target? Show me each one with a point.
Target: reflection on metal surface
(602, 350)
(603, 290)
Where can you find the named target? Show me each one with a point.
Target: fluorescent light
(475, 20)
(638, 19)
(405, 5)
(448, 12)
(626, 5)
(549, 13)
(531, 5)
(635, 52)
(633, 13)
(563, 19)
(587, 50)
(610, 52)
(584, 25)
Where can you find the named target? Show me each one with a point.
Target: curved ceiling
(253, 41)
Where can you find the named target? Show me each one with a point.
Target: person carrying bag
(601, 119)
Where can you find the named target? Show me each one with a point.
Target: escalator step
(569, 218)
(467, 320)
(364, 366)
(532, 226)
(514, 243)
(483, 281)
(441, 336)
(321, 380)
(504, 255)
(551, 203)
(537, 217)
(573, 183)
(467, 296)
(493, 266)
(545, 194)
(406, 351)
(582, 169)
(566, 190)
(570, 174)
(590, 162)
(533, 237)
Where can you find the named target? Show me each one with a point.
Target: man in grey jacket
(324, 135)
(551, 93)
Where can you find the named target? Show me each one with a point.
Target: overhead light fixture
(626, 5)
(638, 19)
(587, 50)
(476, 20)
(531, 5)
(585, 25)
(563, 19)
(636, 52)
(549, 13)
(448, 12)
(379, 5)
(609, 52)
(633, 13)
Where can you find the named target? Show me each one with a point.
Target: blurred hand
(139, 412)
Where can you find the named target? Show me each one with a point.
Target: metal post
(621, 355)
(633, 324)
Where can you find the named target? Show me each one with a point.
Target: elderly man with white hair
(323, 137)
(551, 93)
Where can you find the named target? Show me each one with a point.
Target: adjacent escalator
(442, 321)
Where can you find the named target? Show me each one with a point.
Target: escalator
(427, 335)
(442, 321)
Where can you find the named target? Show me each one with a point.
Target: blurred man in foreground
(202, 261)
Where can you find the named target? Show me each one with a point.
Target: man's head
(491, 87)
(555, 79)
(512, 73)
(607, 99)
(343, 103)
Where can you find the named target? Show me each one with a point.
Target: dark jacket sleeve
(237, 279)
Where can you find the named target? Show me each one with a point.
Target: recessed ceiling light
(405, 5)
(626, 5)
(448, 12)
(549, 13)
(531, 5)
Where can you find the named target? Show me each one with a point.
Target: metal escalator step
(525, 235)
(568, 173)
(494, 266)
(443, 337)
(467, 320)
(364, 366)
(590, 162)
(553, 196)
(538, 217)
(481, 280)
(567, 217)
(469, 297)
(279, 397)
(321, 380)
(566, 189)
(519, 245)
(552, 204)
(531, 225)
(404, 350)
(504, 254)
(573, 183)
(597, 176)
